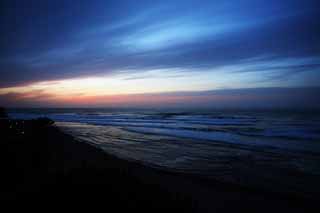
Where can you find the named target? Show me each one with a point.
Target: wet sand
(41, 163)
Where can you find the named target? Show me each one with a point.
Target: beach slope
(40, 163)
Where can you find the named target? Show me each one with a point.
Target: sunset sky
(158, 53)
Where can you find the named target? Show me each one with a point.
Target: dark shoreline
(42, 163)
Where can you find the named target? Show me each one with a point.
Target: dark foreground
(42, 165)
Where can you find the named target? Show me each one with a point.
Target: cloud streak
(254, 98)
(154, 47)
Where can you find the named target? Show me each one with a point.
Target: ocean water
(277, 151)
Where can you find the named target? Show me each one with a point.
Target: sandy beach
(41, 163)
(160, 106)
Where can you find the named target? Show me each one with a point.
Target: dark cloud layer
(49, 40)
(254, 98)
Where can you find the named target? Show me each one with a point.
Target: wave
(227, 147)
(241, 125)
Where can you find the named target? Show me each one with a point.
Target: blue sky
(163, 46)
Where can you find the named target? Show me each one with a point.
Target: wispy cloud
(218, 44)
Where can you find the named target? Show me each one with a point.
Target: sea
(265, 149)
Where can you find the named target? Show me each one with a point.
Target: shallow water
(278, 151)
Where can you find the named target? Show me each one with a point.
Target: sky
(159, 53)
